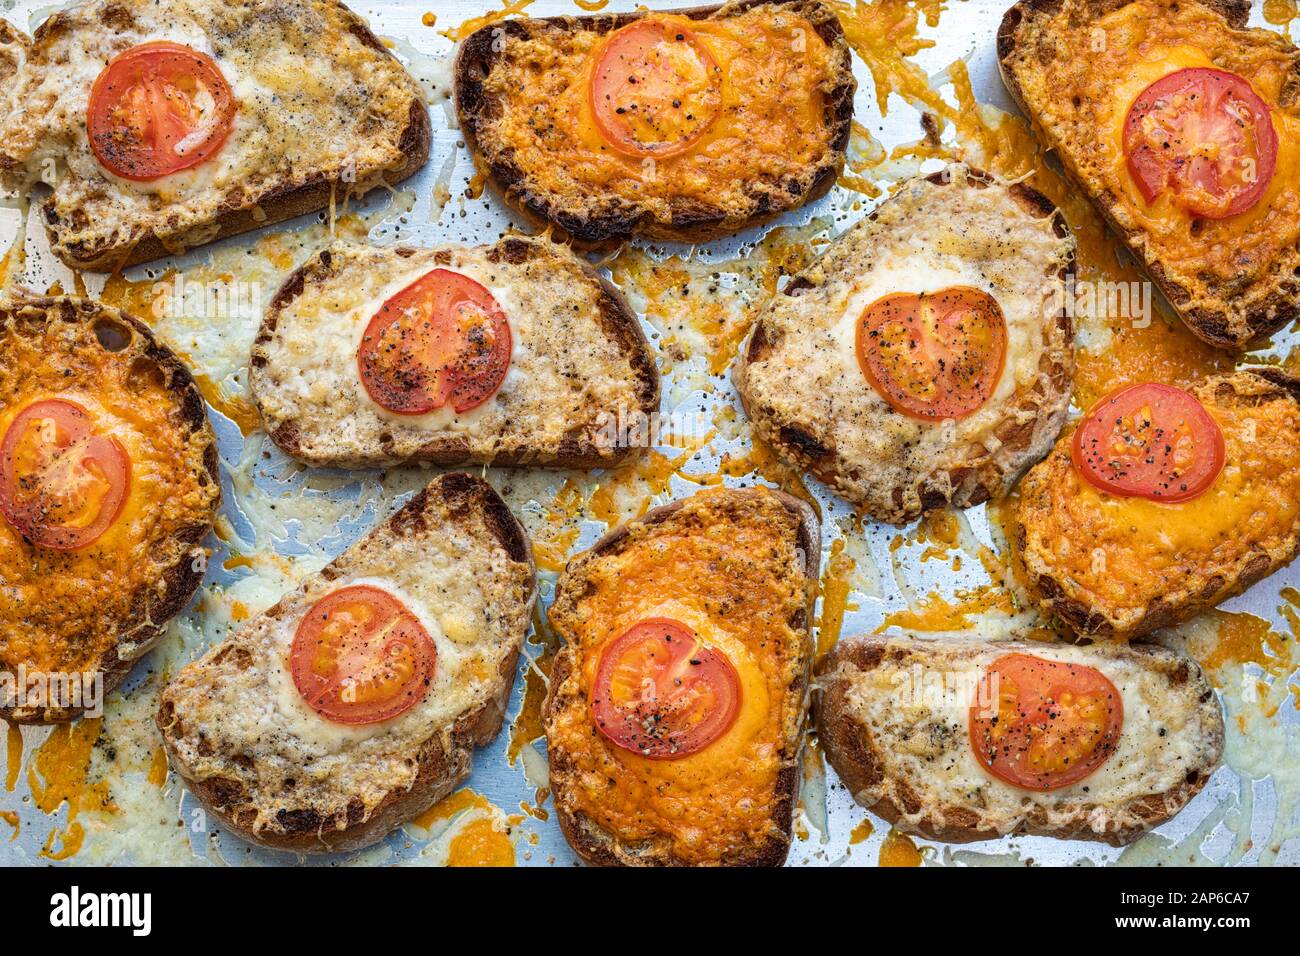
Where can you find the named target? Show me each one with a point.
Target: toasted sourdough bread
(274, 771)
(739, 567)
(908, 758)
(580, 362)
(1075, 66)
(515, 89)
(325, 112)
(800, 379)
(1112, 567)
(103, 606)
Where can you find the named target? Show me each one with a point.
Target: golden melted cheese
(1086, 101)
(771, 124)
(64, 610)
(1124, 553)
(722, 578)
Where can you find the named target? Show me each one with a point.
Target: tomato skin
(443, 339)
(337, 650)
(935, 355)
(147, 105)
(1205, 136)
(51, 463)
(1173, 456)
(1052, 724)
(659, 692)
(637, 81)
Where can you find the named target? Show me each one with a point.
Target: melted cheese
(718, 801)
(63, 611)
(772, 122)
(1123, 553)
(566, 370)
(314, 102)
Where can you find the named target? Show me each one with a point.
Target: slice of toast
(803, 387)
(519, 89)
(94, 611)
(901, 743)
(580, 364)
(1076, 66)
(276, 772)
(1118, 568)
(739, 568)
(324, 113)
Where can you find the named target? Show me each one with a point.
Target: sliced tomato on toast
(1150, 441)
(655, 88)
(62, 483)
(933, 355)
(360, 656)
(442, 340)
(159, 108)
(1204, 136)
(1044, 724)
(660, 692)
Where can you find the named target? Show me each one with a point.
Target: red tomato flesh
(443, 339)
(933, 355)
(661, 693)
(655, 89)
(157, 109)
(1204, 136)
(1149, 441)
(1042, 724)
(61, 484)
(360, 656)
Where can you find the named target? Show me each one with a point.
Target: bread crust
(1052, 592)
(594, 844)
(589, 224)
(155, 606)
(1028, 34)
(617, 321)
(862, 764)
(239, 211)
(444, 760)
(970, 475)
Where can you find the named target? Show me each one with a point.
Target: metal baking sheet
(99, 795)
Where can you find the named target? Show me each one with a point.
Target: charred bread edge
(858, 768)
(806, 452)
(442, 770)
(1084, 622)
(182, 579)
(475, 57)
(1210, 326)
(596, 846)
(617, 320)
(278, 204)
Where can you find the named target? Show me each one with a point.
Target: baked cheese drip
(1084, 99)
(734, 579)
(771, 124)
(1124, 554)
(65, 610)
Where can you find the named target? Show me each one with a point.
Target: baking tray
(99, 794)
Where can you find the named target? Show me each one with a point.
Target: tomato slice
(61, 484)
(360, 656)
(933, 355)
(1149, 441)
(1205, 137)
(655, 89)
(661, 693)
(1054, 723)
(442, 339)
(158, 108)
